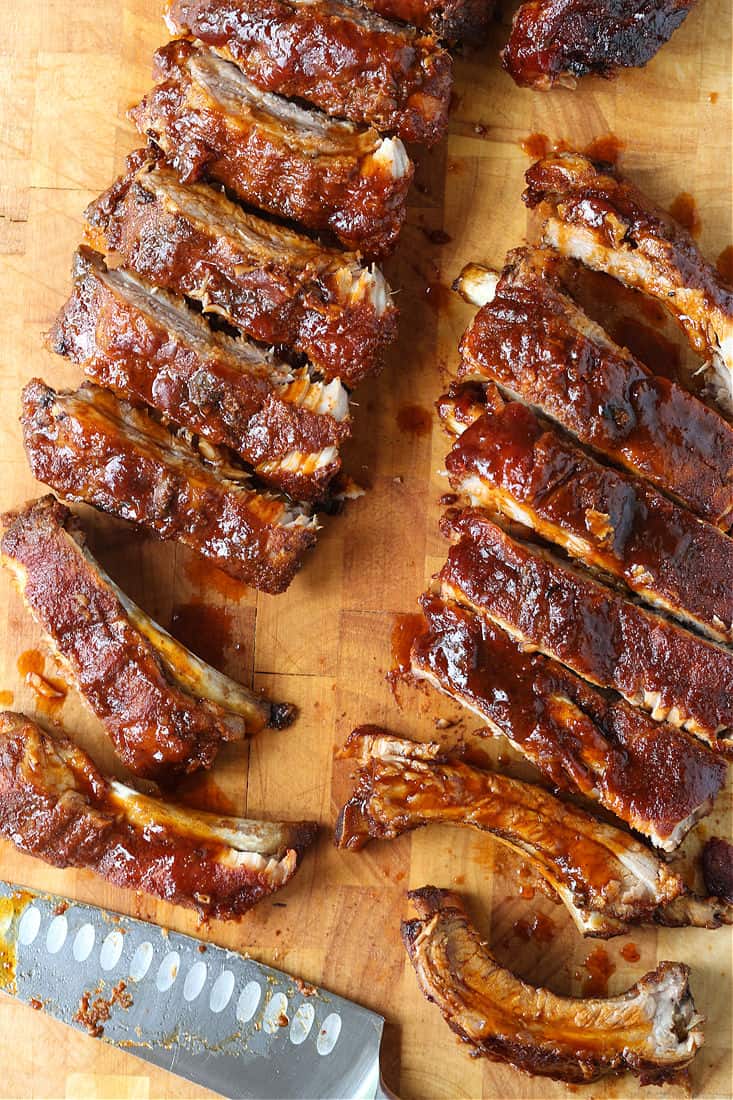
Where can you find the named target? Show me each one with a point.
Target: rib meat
(346, 60)
(606, 878)
(657, 779)
(652, 1029)
(452, 20)
(89, 446)
(210, 120)
(55, 805)
(537, 345)
(164, 709)
(150, 348)
(513, 462)
(558, 41)
(610, 641)
(276, 285)
(587, 212)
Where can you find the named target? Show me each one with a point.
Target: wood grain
(69, 70)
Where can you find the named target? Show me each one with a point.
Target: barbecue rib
(605, 877)
(538, 346)
(652, 1029)
(587, 212)
(348, 61)
(89, 446)
(150, 348)
(657, 779)
(558, 41)
(610, 641)
(453, 20)
(55, 805)
(512, 462)
(272, 283)
(164, 709)
(209, 120)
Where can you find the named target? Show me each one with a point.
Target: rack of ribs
(452, 20)
(606, 878)
(539, 347)
(551, 606)
(657, 779)
(210, 121)
(586, 211)
(270, 282)
(558, 41)
(653, 1029)
(150, 348)
(511, 461)
(57, 806)
(164, 709)
(89, 446)
(346, 60)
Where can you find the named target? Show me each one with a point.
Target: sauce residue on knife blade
(11, 908)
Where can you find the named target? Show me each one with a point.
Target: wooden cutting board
(70, 68)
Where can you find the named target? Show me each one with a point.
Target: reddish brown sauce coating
(405, 628)
(630, 952)
(717, 868)
(207, 578)
(126, 346)
(594, 631)
(93, 1014)
(285, 289)
(684, 210)
(50, 692)
(204, 628)
(332, 54)
(558, 41)
(534, 343)
(414, 420)
(607, 148)
(89, 447)
(55, 805)
(627, 528)
(155, 727)
(538, 928)
(724, 265)
(451, 20)
(600, 968)
(654, 350)
(272, 164)
(647, 773)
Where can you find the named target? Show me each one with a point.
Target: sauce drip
(606, 148)
(437, 295)
(684, 211)
(630, 952)
(713, 97)
(6, 698)
(724, 264)
(414, 419)
(200, 792)
(536, 145)
(405, 629)
(50, 691)
(204, 629)
(526, 891)
(437, 236)
(659, 354)
(539, 928)
(207, 577)
(600, 968)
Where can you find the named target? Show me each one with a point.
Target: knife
(210, 1015)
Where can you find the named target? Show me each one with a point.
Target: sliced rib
(210, 121)
(346, 60)
(566, 614)
(652, 1030)
(538, 346)
(164, 709)
(605, 877)
(587, 212)
(150, 348)
(452, 20)
(275, 285)
(559, 41)
(657, 779)
(513, 462)
(56, 806)
(89, 446)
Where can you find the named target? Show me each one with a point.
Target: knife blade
(208, 1014)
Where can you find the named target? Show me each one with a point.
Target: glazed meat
(164, 709)
(587, 212)
(558, 41)
(657, 779)
(273, 284)
(606, 878)
(652, 1030)
(150, 348)
(337, 55)
(89, 446)
(211, 121)
(513, 462)
(549, 605)
(452, 20)
(55, 805)
(537, 345)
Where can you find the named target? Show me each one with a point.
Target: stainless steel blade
(210, 1015)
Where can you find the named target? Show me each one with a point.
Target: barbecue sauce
(600, 968)
(414, 419)
(724, 264)
(205, 629)
(656, 352)
(539, 928)
(630, 952)
(684, 210)
(50, 692)
(405, 629)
